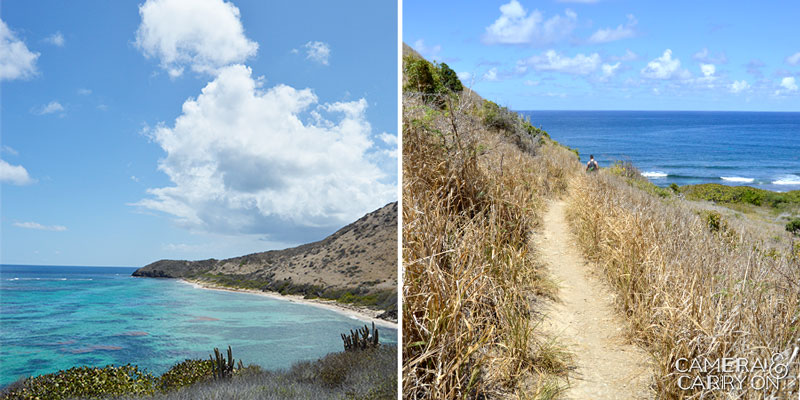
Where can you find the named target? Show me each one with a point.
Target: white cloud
(388, 138)
(242, 160)
(532, 83)
(793, 59)
(609, 70)
(465, 77)
(38, 226)
(515, 26)
(490, 75)
(204, 35)
(705, 56)
(665, 67)
(14, 174)
(579, 1)
(9, 150)
(49, 108)
(708, 70)
(84, 92)
(318, 52)
(16, 61)
(739, 86)
(580, 64)
(618, 33)
(56, 39)
(788, 85)
(429, 52)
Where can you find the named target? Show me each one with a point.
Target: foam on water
(787, 180)
(737, 179)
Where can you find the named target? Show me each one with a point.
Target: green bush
(794, 226)
(449, 78)
(714, 221)
(498, 117)
(84, 382)
(741, 195)
(185, 373)
(674, 186)
(420, 75)
(534, 131)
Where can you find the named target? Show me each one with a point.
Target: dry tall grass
(470, 201)
(688, 291)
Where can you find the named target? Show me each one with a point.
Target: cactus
(223, 368)
(361, 339)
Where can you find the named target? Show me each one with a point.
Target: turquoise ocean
(54, 318)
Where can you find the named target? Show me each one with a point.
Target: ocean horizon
(57, 317)
(758, 149)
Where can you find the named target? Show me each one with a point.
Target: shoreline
(359, 313)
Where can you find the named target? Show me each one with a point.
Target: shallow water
(760, 149)
(55, 318)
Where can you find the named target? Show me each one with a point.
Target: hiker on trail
(592, 165)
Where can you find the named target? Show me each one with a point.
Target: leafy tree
(449, 78)
(420, 75)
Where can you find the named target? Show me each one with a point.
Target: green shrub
(85, 382)
(714, 221)
(741, 195)
(185, 373)
(534, 131)
(625, 169)
(794, 226)
(420, 75)
(498, 117)
(449, 78)
(675, 188)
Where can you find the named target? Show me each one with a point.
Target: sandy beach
(360, 313)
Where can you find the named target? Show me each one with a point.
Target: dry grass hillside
(356, 264)
(693, 285)
(474, 179)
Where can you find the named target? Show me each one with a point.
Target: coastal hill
(357, 265)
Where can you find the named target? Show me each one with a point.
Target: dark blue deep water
(55, 318)
(759, 149)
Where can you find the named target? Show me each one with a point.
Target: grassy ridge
(690, 288)
(474, 180)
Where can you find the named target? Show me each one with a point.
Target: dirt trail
(607, 366)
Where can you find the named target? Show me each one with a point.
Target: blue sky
(616, 54)
(134, 131)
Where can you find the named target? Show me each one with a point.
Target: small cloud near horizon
(38, 226)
